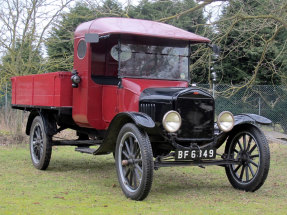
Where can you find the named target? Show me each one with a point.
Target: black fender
(241, 121)
(50, 125)
(31, 117)
(141, 120)
(250, 118)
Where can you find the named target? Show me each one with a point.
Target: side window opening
(104, 68)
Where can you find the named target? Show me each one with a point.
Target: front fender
(240, 121)
(251, 118)
(142, 120)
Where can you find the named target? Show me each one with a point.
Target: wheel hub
(130, 162)
(244, 156)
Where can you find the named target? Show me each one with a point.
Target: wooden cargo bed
(47, 90)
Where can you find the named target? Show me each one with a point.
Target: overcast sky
(215, 8)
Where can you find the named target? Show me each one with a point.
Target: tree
(158, 10)
(23, 25)
(60, 44)
(253, 46)
(30, 58)
(253, 35)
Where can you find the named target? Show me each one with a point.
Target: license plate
(194, 154)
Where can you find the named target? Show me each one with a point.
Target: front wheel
(134, 162)
(250, 147)
(40, 144)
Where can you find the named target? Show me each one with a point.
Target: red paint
(48, 89)
(146, 28)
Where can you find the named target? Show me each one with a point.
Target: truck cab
(119, 64)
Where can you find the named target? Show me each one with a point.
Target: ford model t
(129, 94)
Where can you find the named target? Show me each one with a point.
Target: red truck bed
(49, 89)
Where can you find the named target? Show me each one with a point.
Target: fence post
(6, 105)
(214, 76)
(259, 106)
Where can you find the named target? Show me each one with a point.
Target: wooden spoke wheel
(250, 148)
(134, 162)
(40, 145)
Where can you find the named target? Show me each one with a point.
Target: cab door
(104, 73)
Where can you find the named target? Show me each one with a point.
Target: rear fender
(31, 117)
(50, 125)
(142, 120)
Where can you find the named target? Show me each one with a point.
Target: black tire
(134, 162)
(40, 144)
(250, 147)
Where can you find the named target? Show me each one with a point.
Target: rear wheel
(134, 162)
(40, 144)
(250, 147)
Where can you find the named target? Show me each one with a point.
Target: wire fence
(265, 100)
(5, 100)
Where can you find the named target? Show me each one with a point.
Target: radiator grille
(197, 117)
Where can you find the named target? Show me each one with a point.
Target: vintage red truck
(130, 94)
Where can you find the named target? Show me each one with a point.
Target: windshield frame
(120, 74)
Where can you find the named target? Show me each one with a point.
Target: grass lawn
(76, 183)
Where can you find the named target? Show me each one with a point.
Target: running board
(76, 142)
(85, 150)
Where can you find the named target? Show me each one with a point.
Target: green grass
(77, 183)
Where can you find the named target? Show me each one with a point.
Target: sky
(214, 8)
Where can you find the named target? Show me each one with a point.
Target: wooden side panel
(44, 90)
(50, 89)
(22, 90)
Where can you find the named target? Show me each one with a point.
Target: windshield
(152, 62)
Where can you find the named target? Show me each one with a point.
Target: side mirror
(92, 38)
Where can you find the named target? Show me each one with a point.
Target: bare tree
(23, 30)
(257, 24)
(23, 27)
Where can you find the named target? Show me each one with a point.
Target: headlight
(171, 121)
(225, 121)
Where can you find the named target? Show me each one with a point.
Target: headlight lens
(171, 121)
(225, 121)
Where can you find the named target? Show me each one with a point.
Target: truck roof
(139, 27)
